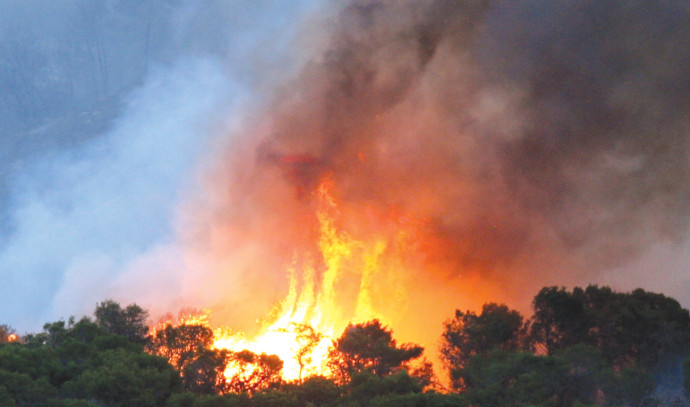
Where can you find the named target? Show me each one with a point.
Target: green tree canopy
(630, 328)
(188, 348)
(78, 364)
(560, 319)
(469, 334)
(369, 347)
(129, 322)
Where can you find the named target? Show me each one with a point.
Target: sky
(96, 165)
(144, 144)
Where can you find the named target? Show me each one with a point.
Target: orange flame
(329, 290)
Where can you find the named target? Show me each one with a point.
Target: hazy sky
(123, 102)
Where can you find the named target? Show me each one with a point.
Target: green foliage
(686, 377)
(79, 364)
(512, 378)
(122, 378)
(34, 362)
(317, 391)
(204, 373)
(365, 386)
(469, 334)
(313, 391)
(578, 375)
(74, 403)
(26, 391)
(630, 387)
(188, 349)
(189, 399)
(275, 398)
(630, 328)
(587, 371)
(600, 346)
(129, 322)
(430, 399)
(560, 319)
(369, 347)
(6, 398)
(180, 344)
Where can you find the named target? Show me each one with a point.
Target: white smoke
(85, 219)
(96, 218)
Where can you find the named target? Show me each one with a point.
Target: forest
(588, 346)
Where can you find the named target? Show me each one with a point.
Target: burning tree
(7, 334)
(188, 349)
(369, 347)
(249, 373)
(308, 340)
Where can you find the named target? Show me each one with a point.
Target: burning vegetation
(428, 156)
(437, 154)
(588, 346)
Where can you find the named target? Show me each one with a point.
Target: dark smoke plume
(536, 137)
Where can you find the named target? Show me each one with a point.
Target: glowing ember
(184, 317)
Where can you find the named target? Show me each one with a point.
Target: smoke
(111, 109)
(542, 143)
(84, 215)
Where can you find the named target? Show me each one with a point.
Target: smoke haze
(541, 142)
(108, 109)
(545, 142)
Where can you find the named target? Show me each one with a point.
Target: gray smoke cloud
(544, 142)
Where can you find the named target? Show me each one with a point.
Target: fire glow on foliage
(318, 305)
(472, 158)
(348, 279)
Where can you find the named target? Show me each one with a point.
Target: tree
(53, 335)
(252, 372)
(36, 362)
(180, 343)
(204, 374)
(129, 322)
(630, 329)
(318, 391)
(686, 377)
(26, 391)
(469, 334)
(121, 378)
(188, 348)
(369, 347)
(560, 319)
(308, 339)
(7, 334)
(365, 386)
(639, 328)
(588, 372)
(632, 386)
(504, 378)
(70, 363)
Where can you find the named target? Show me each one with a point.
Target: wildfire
(327, 290)
(12, 337)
